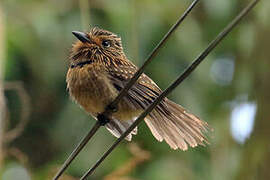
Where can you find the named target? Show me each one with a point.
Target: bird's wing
(142, 93)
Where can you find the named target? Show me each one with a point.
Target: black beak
(81, 36)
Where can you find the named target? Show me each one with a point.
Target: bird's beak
(81, 36)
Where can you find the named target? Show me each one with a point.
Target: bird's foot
(112, 108)
(102, 119)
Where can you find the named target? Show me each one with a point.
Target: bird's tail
(117, 128)
(172, 123)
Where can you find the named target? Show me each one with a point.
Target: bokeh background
(40, 125)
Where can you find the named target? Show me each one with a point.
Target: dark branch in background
(185, 74)
(24, 97)
(10, 135)
(113, 105)
(139, 156)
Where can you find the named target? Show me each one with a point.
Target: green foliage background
(35, 49)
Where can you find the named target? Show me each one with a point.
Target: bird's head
(98, 45)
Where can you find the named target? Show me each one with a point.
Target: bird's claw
(102, 119)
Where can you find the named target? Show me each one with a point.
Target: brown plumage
(99, 69)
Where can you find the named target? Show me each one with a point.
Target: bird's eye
(106, 43)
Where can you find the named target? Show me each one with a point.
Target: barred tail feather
(117, 128)
(176, 126)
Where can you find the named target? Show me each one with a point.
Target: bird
(99, 70)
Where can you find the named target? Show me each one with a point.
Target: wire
(124, 91)
(182, 77)
(76, 151)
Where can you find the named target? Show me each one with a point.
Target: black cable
(183, 76)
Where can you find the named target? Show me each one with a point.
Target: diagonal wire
(123, 92)
(182, 77)
(77, 150)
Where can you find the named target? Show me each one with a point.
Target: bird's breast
(90, 87)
